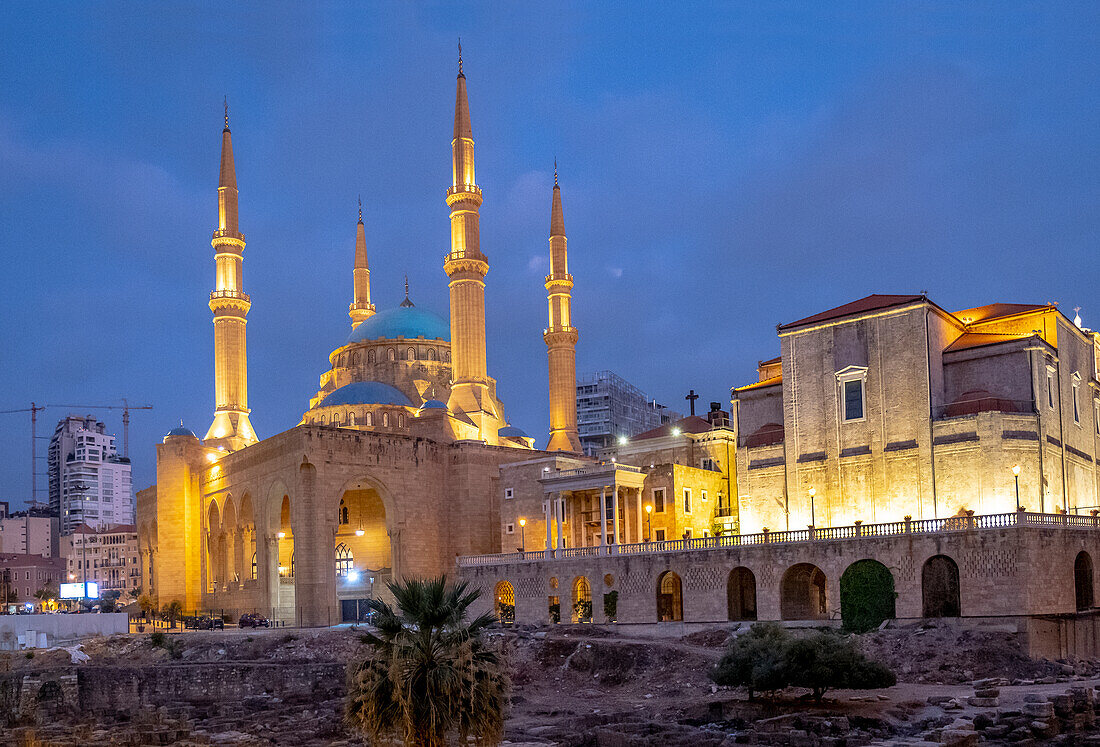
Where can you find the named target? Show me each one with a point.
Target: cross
(691, 397)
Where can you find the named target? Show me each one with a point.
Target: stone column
(549, 524)
(267, 570)
(615, 513)
(640, 512)
(603, 516)
(558, 518)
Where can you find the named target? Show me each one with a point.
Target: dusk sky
(724, 168)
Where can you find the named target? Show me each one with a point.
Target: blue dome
(510, 431)
(366, 393)
(181, 430)
(404, 321)
(433, 404)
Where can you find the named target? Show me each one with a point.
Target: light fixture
(211, 457)
(623, 440)
(523, 522)
(280, 535)
(813, 492)
(1016, 470)
(353, 576)
(676, 431)
(359, 532)
(648, 508)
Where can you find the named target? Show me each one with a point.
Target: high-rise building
(608, 406)
(89, 482)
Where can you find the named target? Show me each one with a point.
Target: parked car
(253, 621)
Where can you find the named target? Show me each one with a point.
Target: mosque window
(343, 560)
(370, 419)
(385, 420)
(431, 354)
(351, 418)
(401, 420)
(446, 356)
(343, 512)
(355, 358)
(253, 576)
(336, 418)
(410, 354)
(370, 356)
(393, 354)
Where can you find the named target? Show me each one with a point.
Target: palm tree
(429, 676)
(172, 611)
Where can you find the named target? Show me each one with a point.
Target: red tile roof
(771, 361)
(20, 560)
(997, 311)
(690, 424)
(978, 339)
(873, 302)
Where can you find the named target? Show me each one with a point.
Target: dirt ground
(588, 686)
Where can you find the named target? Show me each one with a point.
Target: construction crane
(33, 410)
(125, 407)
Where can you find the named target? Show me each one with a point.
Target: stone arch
(213, 530)
(351, 419)
(741, 594)
(227, 542)
(410, 354)
(446, 356)
(582, 600)
(246, 521)
(802, 593)
(336, 420)
(345, 560)
(1082, 582)
(367, 531)
(369, 420)
(400, 420)
(391, 354)
(355, 358)
(431, 354)
(504, 603)
(940, 587)
(385, 420)
(370, 356)
(867, 595)
(670, 597)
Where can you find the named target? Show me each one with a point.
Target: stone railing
(596, 469)
(855, 531)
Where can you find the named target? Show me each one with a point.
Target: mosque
(394, 467)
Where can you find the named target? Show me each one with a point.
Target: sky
(724, 167)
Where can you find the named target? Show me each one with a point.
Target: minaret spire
(473, 392)
(561, 336)
(231, 427)
(361, 309)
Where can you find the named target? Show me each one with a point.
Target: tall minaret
(561, 336)
(361, 308)
(230, 305)
(466, 266)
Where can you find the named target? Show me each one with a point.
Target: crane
(33, 410)
(125, 407)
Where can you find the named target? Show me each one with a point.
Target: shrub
(867, 596)
(611, 605)
(768, 658)
(157, 638)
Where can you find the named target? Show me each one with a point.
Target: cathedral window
(410, 354)
(392, 354)
(343, 560)
(343, 513)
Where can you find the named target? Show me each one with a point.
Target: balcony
(768, 434)
(977, 402)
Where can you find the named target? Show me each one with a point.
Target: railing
(598, 469)
(852, 532)
(975, 405)
(229, 294)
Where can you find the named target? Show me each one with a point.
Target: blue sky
(724, 167)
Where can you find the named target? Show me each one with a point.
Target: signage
(89, 590)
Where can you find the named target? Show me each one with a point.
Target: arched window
(370, 356)
(446, 356)
(401, 420)
(940, 587)
(1082, 581)
(505, 603)
(336, 418)
(343, 560)
(392, 354)
(253, 576)
(343, 512)
(351, 418)
(670, 598)
(431, 354)
(410, 354)
(370, 419)
(582, 600)
(355, 358)
(385, 420)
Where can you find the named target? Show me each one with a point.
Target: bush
(157, 638)
(768, 658)
(611, 605)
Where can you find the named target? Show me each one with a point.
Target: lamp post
(813, 517)
(522, 536)
(649, 522)
(1016, 476)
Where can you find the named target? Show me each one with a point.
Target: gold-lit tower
(472, 391)
(361, 309)
(561, 336)
(231, 428)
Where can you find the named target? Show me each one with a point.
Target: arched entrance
(741, 594)
(246, 527)
(1082, 581)
(940, 587)
(363, 554)
(504, 603)
(802, 593)
(670, 598)
(866, 595)
(229, 545)
(582, 600)
(214, 566)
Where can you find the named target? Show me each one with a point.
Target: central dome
(404, 321)
(366, 393)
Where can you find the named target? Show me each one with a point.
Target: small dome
(366, 393)
(404, 321)
(433, 404)
(510, 431)
(181, 430)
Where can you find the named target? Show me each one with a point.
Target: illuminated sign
(78, 591)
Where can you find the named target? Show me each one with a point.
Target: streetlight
(522, 535)
(649, 521)
(813, 516)
(1016, 475)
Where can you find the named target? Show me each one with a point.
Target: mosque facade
(393, 470)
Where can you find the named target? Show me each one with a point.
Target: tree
(172, 611)
(826, 660)
(46, 593)
(429, 676)
(108, 601)
(755, 660)
(147, 605)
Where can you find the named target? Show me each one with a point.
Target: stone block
(1039, 710)
(1043, 729)
(958, 737)
(987, 692)
(976, 702)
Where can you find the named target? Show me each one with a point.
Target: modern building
(90, 482)
(394, 469)
(23, 575)
(108, 557)
(609, 407)
(29, 532)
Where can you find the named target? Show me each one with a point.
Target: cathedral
(393, 470)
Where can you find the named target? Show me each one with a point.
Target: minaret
(466, 267)
(361, 308)
(561, 336)
(230, 305)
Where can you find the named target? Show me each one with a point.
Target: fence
(855, 531)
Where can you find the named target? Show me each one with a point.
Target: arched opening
(582, 600)
(1082, 581)
(802, 593)
(504, 600)
(741, 594)
(392, 354)
(370, 420)
(940, 587)
(285, 535)
(351, 419)
(401, 420)
(335, 419)
(370, 356)
(431, 354)
(410, 354)
(246, 522)
(231, 546)
(355, 358)
(213, 534)
(866, 595)
(670, 598)
(363, 552)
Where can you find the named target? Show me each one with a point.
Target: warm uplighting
(813, 492)
(1016, 470)
(359, 532)
(523, 522)
(280, 535)
(211, 457)
(648, 509)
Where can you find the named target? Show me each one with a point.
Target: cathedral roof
(409, 322)
(365, 393)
